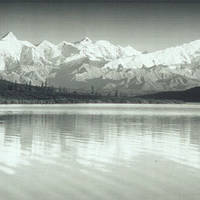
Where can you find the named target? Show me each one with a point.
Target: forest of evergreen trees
(14, 93)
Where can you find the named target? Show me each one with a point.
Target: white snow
(168, 69)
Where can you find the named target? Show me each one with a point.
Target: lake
(100, 152)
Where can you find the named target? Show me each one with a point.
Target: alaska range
(100, 64)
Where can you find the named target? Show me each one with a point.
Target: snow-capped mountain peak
(61, 44)
(82, 63)
(84, 40)
(9, 36)
(48, 50)
(46, 43)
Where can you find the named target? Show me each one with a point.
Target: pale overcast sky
(151, 26)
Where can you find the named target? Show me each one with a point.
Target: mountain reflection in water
(117, 152)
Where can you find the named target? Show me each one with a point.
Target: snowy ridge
(100, 63)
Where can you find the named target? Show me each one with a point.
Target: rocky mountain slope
(100, 64)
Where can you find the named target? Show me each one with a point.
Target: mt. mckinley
(100, 64)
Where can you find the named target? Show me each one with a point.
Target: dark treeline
(190, 95)
(14, 93)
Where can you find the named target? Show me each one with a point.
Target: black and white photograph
(99, 100)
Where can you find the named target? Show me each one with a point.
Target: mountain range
(100, 64)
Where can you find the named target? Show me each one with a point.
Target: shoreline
(58, 102)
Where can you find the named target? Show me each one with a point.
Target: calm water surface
(100, 152)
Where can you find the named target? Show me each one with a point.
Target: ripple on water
(100, 152)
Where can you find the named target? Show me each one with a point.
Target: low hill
(190, 95)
